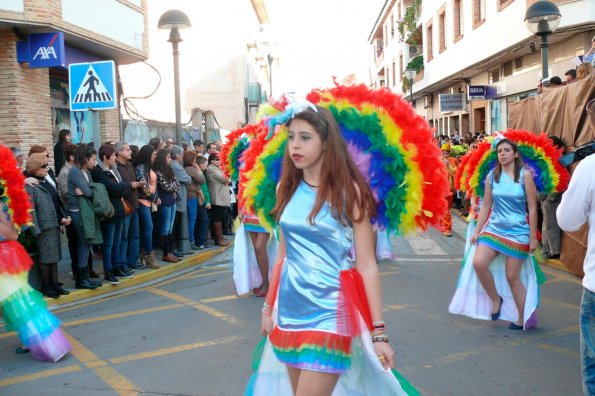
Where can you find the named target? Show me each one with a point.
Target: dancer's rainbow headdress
(14, 195)
(238, 141)
(390, 144)
(540, 157)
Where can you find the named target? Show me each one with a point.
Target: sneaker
(201, 247)
(121, 273)
(193, 246)
(110, 278)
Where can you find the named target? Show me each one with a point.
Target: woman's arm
(76, 176)
(486, 207)
(217, 175)
(267, 321)
(365, 263)
(531, 192)
(195, 174)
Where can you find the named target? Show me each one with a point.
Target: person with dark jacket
(167, 188)
(63, 138)
(129, 247)
(79, 177)
(48, 216)
(107, 174)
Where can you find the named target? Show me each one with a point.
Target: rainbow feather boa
(539, 155)
(390, 144)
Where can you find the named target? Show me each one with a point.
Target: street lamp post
(270, 60)
(175, 20)
(542, 18)
(410, 74)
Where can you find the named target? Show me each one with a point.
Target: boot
(57, 286)
(218, 234)
(110, 278)
(46, 287)
(83, 281)
(142, 258)
(167, 256)
(172, 244)
(151, 261)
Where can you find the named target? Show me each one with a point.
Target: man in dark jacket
(129, 246)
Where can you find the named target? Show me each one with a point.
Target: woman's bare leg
(294, 377)
(259, 241)
(481, 263)
(312, 383)
(519, 293)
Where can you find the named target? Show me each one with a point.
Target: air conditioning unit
(414, 51)
(428, 101)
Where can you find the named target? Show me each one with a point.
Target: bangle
(378, 323)
(380, 338)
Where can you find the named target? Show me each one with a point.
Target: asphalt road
(190, 335)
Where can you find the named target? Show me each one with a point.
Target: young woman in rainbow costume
(23, 308)
(500, 277)
(320, 309)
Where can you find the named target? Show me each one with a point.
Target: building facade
(472, 57)
(34, 97)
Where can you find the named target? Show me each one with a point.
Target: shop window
(496, 108)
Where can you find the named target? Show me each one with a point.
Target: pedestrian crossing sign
(92, 86)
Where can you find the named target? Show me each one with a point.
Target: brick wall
(25, 110)
(109, 121)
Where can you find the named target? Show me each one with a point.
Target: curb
(146, 276)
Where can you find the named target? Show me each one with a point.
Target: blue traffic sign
(92, 86)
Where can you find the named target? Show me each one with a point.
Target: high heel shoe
(496, 315)
(514, 326)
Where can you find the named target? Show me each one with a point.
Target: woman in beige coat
(220, 197)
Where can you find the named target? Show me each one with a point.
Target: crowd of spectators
(121, 203)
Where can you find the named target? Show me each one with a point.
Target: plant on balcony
(405, 85)
(409, 24)
(416, 63)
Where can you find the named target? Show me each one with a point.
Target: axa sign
(46, 50)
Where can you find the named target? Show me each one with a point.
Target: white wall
(500, 31)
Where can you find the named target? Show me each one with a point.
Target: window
(494, 75)
(399, 11)
(502, 4)
(479, 12)
(507, 69)
(387, 74)
(429, 39)
(457, 20)
(518, 63)
(442, 31)
(392, 26)
(401, 67)
(394, 78)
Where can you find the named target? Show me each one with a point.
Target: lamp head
(542, 18)
(410, 73)
(174, 19)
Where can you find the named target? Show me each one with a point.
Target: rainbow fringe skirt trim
(505, 246)
(252, 224)
(312, 350)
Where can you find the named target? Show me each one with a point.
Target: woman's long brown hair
(518, 161)
(341, 184)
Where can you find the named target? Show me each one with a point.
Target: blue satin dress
(309, 287)
(507, 229)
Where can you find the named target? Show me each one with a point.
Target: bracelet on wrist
(380, 338)
(378, 323)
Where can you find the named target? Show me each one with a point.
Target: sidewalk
(140, 275)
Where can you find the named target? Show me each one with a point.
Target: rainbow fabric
(390, 144)
(504, 246)
(312, 350)
(539, 155)
(24, 310)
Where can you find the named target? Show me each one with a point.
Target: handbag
(127, 207)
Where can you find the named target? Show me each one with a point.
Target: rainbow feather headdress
(14, 195)
(390, 144)
(238, 141)
(540, 157)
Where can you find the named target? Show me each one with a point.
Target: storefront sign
(43, 50)
(482, 92)
(451, 102)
